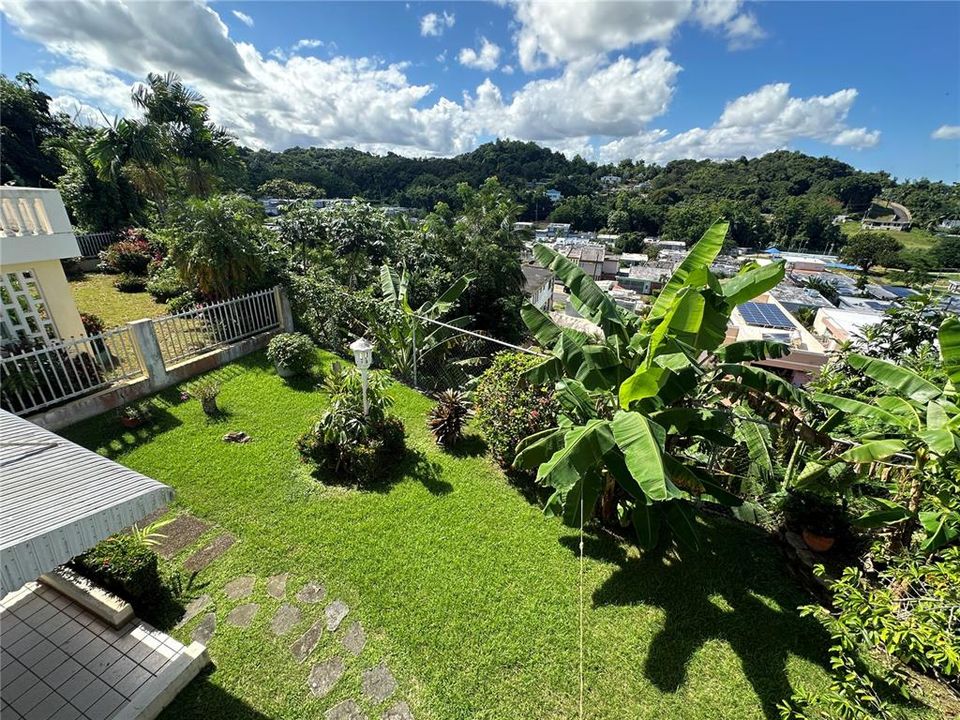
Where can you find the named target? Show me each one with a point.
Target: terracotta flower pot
(817, 543)
(131, 423)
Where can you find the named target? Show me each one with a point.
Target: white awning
(58, 499)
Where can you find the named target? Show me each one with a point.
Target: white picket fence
(91, 244)
(197, 330)
(65, 369)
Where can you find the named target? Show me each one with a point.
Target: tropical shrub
(181, 302)
(328, 310)
(127, 256)
(346, 444)
(125, 565)
(809, 511)
(92, 324)
(165, 283)
(645, 405)
(130, 283)
(206, 391)
(449, 416)
(510, 407)
(292, 351)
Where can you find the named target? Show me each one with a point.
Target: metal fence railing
(36, 378)
(203, 327)
(452, 357)
(91, 244)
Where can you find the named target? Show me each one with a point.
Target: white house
(554, 195)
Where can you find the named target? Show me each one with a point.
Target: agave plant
(646, 406)
(448, 418)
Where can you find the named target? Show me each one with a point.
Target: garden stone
(336, 612)
(355, 639)
(240, 587)
(205, 630)
(312, 593)
(277, 586)
(347, 710)
(182, 532)
(398, 711)
(378, 683)
(200, 559)
(242, 615)
(324, 676)
(285, 619)
(193, 609)
(307, 642)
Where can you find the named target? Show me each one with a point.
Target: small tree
(867, 249)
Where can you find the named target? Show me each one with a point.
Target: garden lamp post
(363, 356)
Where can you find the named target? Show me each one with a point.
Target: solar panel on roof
(765, 315)
(900, 292)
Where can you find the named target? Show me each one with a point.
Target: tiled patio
(60, 661)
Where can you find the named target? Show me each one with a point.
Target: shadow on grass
(114, 440)
(413, 464)
(204, 699)
(469, 446)
(731, 590)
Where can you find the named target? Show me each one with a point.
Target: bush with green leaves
(292, 351)
(165, 283)
(130, 283)
(185, 301)
(125, 565)
(510, 407)
(328, 310)
(347, 445)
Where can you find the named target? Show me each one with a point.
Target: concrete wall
(56, 294)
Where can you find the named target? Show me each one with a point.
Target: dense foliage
(292, 351)
(449, 417)
(26, 126)
(125, 565)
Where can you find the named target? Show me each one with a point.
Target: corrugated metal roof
(58, 499)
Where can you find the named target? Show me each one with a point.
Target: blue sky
(874, 84)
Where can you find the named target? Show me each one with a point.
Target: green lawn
(916, 239)
(464, 587)
(96, 294)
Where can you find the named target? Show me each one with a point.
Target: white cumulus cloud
(433, 25)
(946, 132)
(486, 58)
(243, 17)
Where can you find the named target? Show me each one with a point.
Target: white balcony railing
(34, 226)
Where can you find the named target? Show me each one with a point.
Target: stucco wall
(56, 292)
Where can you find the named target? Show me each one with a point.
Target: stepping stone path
(324, 676)
(239, 587)
(355, 639)
(193, 609)
(242, 615)
(182, 532)
(200, 559)
(277, 586)
(336, 612)
(378, 683)
(204, 631)
(312, 593)
(347, 710)
(285, 619)
(398, 711)
(307, 642)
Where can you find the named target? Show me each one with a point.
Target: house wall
(56, 294)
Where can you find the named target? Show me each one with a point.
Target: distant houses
(887, 215)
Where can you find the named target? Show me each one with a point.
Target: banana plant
(644, 406)
(915, 439)
(404, 336)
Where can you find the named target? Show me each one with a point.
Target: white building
(611, 180)
(553, 195)
(836, 326)
(538, 286)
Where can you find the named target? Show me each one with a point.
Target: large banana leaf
(583, 448)
(644, 383)
(747, 285)
(543, 328)
(758, 451)
(894, 377)
(536, 449)
(887, 513)
(873, 451)
(646, 523)
(751, 350)
(701, 320)
(949, 337)
(573, 396)
(681, 519)
(902, 409)
(641, 442)
(859, 409)
(766, 382)
(447, 300)
(700, 257)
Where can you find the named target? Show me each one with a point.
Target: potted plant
(135, 415)
(291, 353)
(817, 519)
(206, 392)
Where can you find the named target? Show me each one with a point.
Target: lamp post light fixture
(363, 357)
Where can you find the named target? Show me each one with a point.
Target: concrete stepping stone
(205, 630)
(355, 639)
(378, 683)
(285, 619)
(324, 676)
(312, 593)
(336, 612)
(307, 642)
(200, 559)
(397, 711)
(239, 587)
(193, 609)
(347, 710)
(242, 615)
(277, 586)
(182, 532)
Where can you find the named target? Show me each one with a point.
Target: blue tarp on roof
(899, 291)
(772, 251)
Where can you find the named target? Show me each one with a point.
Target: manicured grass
(916, 239)
(96, 294)
(464, 587)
